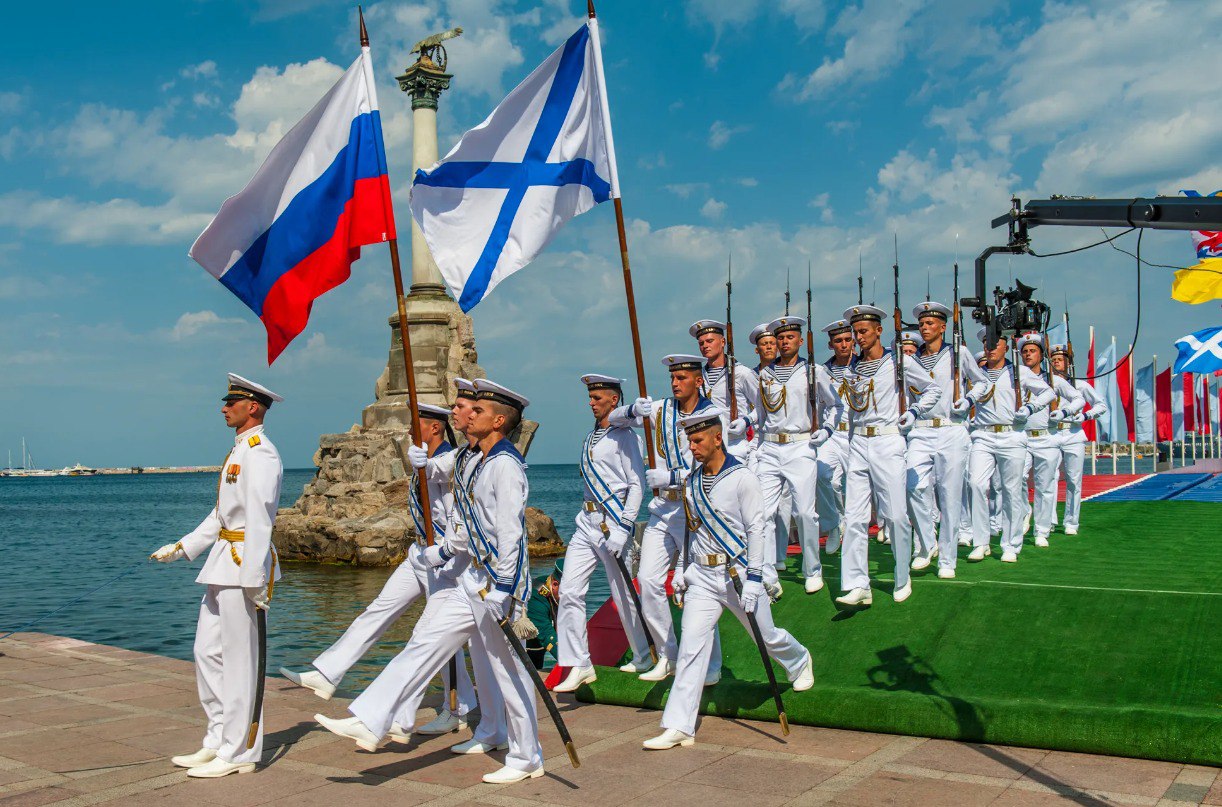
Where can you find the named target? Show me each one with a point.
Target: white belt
(1065, 425)
(875, 431)
(998, 429)
(669, 495)
(933, 423)
(786, 437)
(715, 559)
(1037, 432)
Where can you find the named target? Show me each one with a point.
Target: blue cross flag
(543, 156)
(1200, 352)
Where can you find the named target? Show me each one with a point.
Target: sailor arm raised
(785, 399)
(1098, 407)
(734, 508)
(451, 471)
(670, 449)
(238, 531)
(974, 382)
(441, 499)
(1067, 399)
(872, 395)
(613, 464)
(997, 409)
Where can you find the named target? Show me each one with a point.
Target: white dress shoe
(1027, 523)
(965, 540)
(576, 677)
(833, 542)
(712, 678)
(857, 596)
(919, 563)
(946, 574)
(218, 768)
(200, 757)
(508, 775)
(1071, 530)
(637, 665)
(474, 746)
(444, 723)
(312, 680)
(882, 535)
(661, 672)
(806, 678)
(814, 584)
(398, 734)
(1009, 557)
(903, 592)
(979, 553)
(352, 728)
(1041, 540)
(669, 739)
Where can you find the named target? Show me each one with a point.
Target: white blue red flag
(292, 233)
(543, 156)
(1200, 352)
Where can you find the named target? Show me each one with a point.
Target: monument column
(424, 81)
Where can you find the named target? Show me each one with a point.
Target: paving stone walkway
(83, 724)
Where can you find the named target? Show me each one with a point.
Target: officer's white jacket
(729, 519)
(997, 408)
(670, 449)
(746, 388)
(441, 499)
(497, 491)
(974, 382)
(1098, 407)
(785, 405)
(835, 377)
(247, 499)
(612, 469)
(872, 396)
(1066, 397)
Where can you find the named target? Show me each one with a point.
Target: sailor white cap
(1031, 339)
(1060, 350)
(931, 309)
(978, 356)
(863, 313)
(759, 331)
(683, 361)
(983, 333)
(434, 412)
(245, 389)
(780, 325)
(595, 381)
(486, 390)
(836, 327)
(910, 338)
(465, 388)
(702, 326)
(704, 419)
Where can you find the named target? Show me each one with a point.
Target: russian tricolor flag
(292, 233)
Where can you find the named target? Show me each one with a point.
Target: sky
(770, 133)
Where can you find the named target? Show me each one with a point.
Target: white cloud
(748, 182)
(274, 99)
(721, 132)
(205, 100)
(10, 102)
(876, 36)
(712, 209)
(205, 69)
(117, 221)
(684, 190)
(194, 323)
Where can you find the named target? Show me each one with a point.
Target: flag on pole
(1201, 282)
(1124, 386)
(1178, 421)
(1190, 403)
(1200, 352)
(1204, 421)
(1112, 426)
(542, 157)
(292, 233)
(1090, 428)
(1143, 404)
(1162, 407)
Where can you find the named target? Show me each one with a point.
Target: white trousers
(1003, 453)
(402, 588)
(585, 551)
(795, 465)
(1044, 453)
(833, 463)
(1073, 457)
(709, 592)
(451, 618)
(876, 471)
(226, 669)
(936, 466)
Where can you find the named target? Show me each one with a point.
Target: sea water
(62, 536)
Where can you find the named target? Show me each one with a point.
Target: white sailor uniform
(716, 387)
(1044, 452)
(834, 454)
(238, 537)
(1071, 440)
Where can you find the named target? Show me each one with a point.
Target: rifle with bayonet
(812, 387)
(900, 391)
(956, 341)
(731, 394)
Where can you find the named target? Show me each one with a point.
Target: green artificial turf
(1107, 642)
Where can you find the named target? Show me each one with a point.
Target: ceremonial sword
(256, 711)
(763, 648)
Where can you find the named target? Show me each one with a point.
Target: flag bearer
(834, 454)
(612, 469)
(726, 535)
(1072, 438)
(410, 581)
(492, 588)
(1043, 447)
(1000, 444)
(710, 336)
(938, 444)
(239, 573)
(876, 452)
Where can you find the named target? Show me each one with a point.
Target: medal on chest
(231, 472)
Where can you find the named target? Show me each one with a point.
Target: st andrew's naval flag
(292, 233)
(543, 156)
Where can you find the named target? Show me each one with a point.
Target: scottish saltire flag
(292, 233)
(1200, 352)
(543, 156)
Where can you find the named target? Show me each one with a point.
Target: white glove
(168, 553)
(616, 540)
(257, 596)
(432, 557)
(752, 591)
(418, 456)
(1057, 415)
(678, 582)
(820, 437)
(1023, 413)
(498, 603)
(961, 407)
(657, 478)
(642, 407)
(738, 427)
(906, 420)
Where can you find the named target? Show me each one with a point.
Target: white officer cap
(245, 389)
(465, 389)
(486, 390)
(704, 419)
(759, 331)
(864, 313)
(931, 309)
(683, 361)
(780, 325)
(434, 412)
(910, 338)
(1031, 339)
(1060, 350)
(595, 381)
(702, 326)
(837, 327)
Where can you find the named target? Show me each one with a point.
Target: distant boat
(27, 460)
(78, 470)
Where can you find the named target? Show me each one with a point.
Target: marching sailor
(1000, 444)
(612, 468)
(1043, 447)
(725, 539)
(765, 348)
(938, 444)
(493, 586)
(764, 341)
(1071, 437)
(663, 535)
(876, 452)
(834, 454)
(786, 457)
(710, 336)
(409, 581)
(910, 342)
(239, 573)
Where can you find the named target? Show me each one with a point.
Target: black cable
(1082, 249)
(1137, 326)
(1167, 265)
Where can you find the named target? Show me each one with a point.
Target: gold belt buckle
(998, 429)
(870, 431)
(590, 507)
(842, 427)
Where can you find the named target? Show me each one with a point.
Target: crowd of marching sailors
(931, 442)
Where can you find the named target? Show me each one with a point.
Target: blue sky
(773, 132)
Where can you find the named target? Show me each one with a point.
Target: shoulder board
(253, 441)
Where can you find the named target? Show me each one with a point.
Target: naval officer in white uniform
(1072, 438)
(710, 336)
(834, 453)
(239, 574)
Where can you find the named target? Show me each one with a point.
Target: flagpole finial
(590, 8)
(364, 32)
